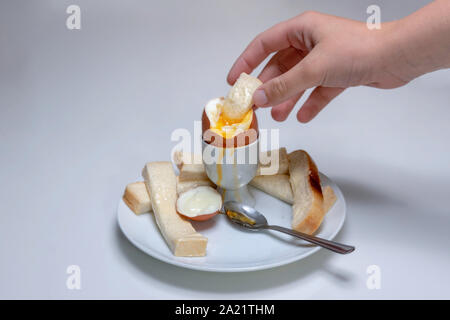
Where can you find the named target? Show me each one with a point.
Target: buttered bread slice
(279, 187)
(137, 198)
(308, 209)
(273, 162)
(179, 234)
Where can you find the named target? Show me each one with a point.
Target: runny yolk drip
(219, 166)
(236, 179)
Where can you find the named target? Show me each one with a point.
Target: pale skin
(330, 54)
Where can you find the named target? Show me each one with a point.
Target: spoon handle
(330, 245)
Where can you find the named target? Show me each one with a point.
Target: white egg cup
(231, 169)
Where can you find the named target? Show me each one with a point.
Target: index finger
(273, 39)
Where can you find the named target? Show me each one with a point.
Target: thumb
(306, 74)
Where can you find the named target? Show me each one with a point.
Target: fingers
(316, 101)
(309, 72)
(280, 63)
(282, 111)
(271, 40)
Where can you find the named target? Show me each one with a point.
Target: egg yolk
(239, 216)
(230, 128)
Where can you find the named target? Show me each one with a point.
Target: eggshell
(202, 217)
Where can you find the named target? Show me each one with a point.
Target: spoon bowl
(250, 218)
(244, 215)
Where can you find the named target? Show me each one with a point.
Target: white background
(82, 111)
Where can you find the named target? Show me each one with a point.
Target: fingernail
(259, 98)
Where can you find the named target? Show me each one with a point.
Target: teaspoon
(250, 218)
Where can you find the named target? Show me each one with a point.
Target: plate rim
(181, 264)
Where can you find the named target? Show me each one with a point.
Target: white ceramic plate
(231, 248)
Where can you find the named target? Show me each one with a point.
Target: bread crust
(308, 210)
(329, 198)
(279, 187)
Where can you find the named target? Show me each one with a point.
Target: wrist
(392, 54)
(423, 39)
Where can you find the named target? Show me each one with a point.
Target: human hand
(330, 54)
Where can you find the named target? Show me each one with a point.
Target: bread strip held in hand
(240, 97)
(179, 234)
(279, 187)
(307, 210)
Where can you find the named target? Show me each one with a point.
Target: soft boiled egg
(224, 127)
(225, 130)
(200, 203)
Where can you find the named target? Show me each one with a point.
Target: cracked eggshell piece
(200, 203)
